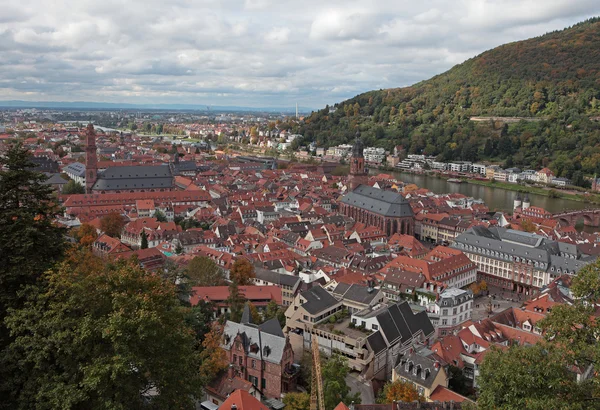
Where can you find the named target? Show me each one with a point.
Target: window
(241, 360)
(253, 363)
(444, 321)
(445, 312)
(263, 383)
(454, 321)
(375, 327)
(234, 358)
(454, 311)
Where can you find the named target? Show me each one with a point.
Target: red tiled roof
(443, 394)
(221, 293)
(242, 400)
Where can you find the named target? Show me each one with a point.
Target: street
(364, 388)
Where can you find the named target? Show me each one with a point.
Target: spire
(357, 149)
(246, 316)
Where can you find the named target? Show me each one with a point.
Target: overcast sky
(251, 52)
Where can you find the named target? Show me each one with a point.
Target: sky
(253, 53)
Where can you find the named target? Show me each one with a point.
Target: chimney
(436, 364)
(233, 407)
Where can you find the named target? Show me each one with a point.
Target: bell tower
(357, 176)
(91, 159)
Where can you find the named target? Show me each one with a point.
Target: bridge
(590, 217)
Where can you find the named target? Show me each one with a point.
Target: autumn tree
(297, 401)
(242, 272)
(213, 359)
(103, 336)
(203, 271)
(528, 226)
(86, 234)
(112, 224)
(398, 391)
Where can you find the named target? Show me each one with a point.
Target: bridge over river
(590, 217)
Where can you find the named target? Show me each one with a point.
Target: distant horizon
(99, 105)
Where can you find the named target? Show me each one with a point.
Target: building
(261, 354)
(387, 210)
(371, 338)
(518, 261)
(358, 174)
(443, 265)
(453, 307)
(259, 296)
(76, 171)
(289, 284)
(545, 176)
(423, 370)
(143, 178)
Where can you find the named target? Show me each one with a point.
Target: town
(409, 287)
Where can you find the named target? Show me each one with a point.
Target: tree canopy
(103, 336)
(242, 272)
(203, 271)
(398, 391)
(73, 187)
(112, 224)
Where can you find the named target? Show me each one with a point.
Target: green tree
(179, 248)
(144, 244)
(297, 401)
(199, 318)
(529, 377)
(274, 311)
(103, 336)
(235, 301)
(336, 390)
(203, 271)
(73, 187)
(160, 216)
(30, 243)
(254, 314)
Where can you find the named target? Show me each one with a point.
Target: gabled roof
(386, 203)
(242, 400)
(317, 300)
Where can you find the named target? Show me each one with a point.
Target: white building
(373, 154)
(478, 169)
(453, 307)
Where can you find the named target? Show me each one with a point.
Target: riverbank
(549, 192)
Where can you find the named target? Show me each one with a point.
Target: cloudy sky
(251, 52)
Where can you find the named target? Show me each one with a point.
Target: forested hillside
(554, 77)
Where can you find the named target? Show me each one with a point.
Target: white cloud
(252, 52)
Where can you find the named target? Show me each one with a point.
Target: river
(495, 198)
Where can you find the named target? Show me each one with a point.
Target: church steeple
(91, 159)
(357, 176)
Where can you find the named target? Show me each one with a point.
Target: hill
(554, 78)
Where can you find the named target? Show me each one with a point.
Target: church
(387, 210)
(143, 178)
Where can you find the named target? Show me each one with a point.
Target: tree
(73, 187)
(112, 224)
(458, 382)
(529, 377)
(30, 242)
(528, 225)
(297, 401)
(235, 301)
(179, 248)
(103, 336)
(213, 359)
(86, 234)
(160, 216)
(254, 314)
(483, 285)
(334, 372)
(398, 391)
(242, 272)
(199, 318)
(203, 271)
(144, 244)
(274, 311)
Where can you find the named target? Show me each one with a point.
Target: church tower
(91, 159)
(357, 176)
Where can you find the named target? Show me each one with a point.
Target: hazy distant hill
(555, 77)
(81, 105)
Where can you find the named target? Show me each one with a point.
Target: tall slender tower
(357, 176)
(91, 159)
